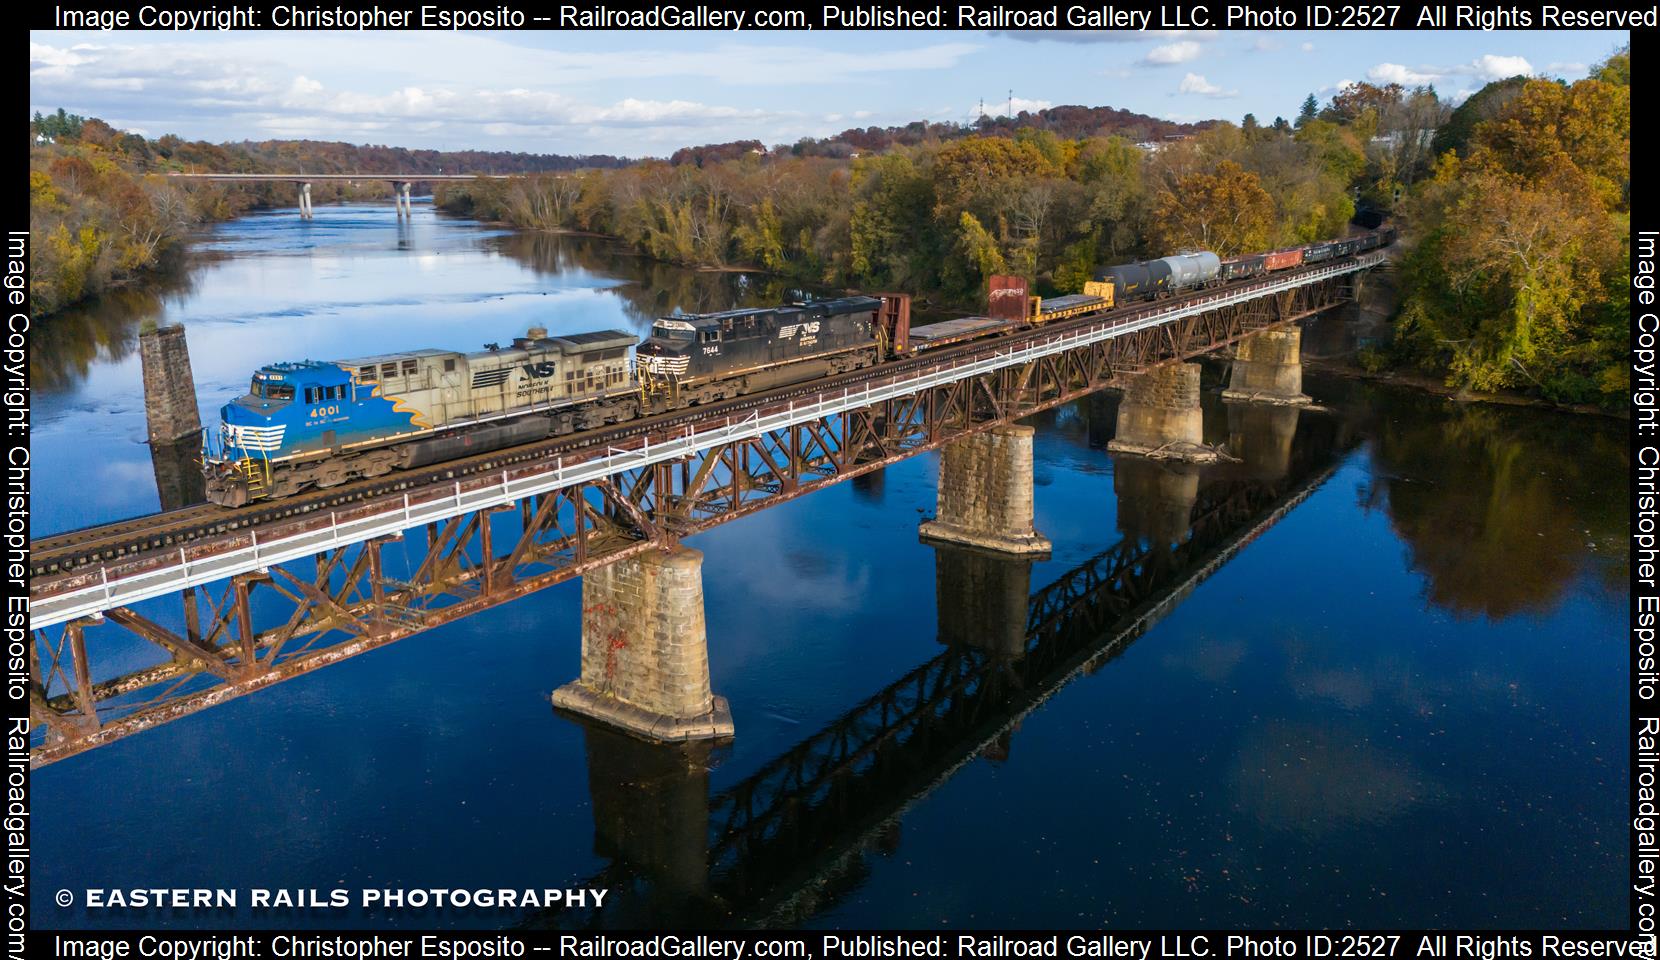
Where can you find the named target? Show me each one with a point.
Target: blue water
(1401, 705)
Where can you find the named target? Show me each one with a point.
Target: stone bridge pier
(985, 493)
(645, 652)
(1268, 368)
(1160, 417)
(174, 424)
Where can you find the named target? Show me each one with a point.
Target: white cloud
(1486, 68)
(1195, 83)
(1396, 73)
(1568, 69)
(255, 85)
(1308, 48)
(1181, 51)
(1490, 67)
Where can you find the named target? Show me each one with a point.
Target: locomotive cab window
(710, 336)
(366, 374)
(449, 365)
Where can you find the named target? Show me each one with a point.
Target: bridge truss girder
(222, 645)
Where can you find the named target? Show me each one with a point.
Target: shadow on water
(785, 843)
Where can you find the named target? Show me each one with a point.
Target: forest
(1514, 208)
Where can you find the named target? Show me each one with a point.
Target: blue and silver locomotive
(319, 424)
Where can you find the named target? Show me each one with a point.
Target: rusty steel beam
(347, 605)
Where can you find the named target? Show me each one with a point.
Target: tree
(1227, 212)
(1310, 110)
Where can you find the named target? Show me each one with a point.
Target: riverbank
(1429, 384)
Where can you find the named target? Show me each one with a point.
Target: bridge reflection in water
(790, 839)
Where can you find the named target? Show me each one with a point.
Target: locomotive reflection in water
(312, 424)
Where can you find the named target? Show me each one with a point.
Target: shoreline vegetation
(1514, 209)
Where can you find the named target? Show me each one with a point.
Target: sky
(648, 93)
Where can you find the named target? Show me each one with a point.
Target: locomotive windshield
(271, 391)
(672, 330)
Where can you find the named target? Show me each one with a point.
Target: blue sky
(648, 93)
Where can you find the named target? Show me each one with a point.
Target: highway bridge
(497, 526)
(401, 183)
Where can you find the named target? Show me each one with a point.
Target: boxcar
(1283, 259)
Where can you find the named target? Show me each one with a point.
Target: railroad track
(64, 552)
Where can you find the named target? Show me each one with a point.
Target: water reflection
(787, 841)
(68, 346)
(1498, 513)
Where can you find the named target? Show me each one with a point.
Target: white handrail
(85, 601)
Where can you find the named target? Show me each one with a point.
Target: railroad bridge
(228, 602)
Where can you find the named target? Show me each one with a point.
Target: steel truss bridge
(485, 538)
(778, 844)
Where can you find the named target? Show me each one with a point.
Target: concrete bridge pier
(982, 599)
(985, 493)
(645, 655)
(305, 201)
(400, 200)
(1269, 368)
(1159, 416)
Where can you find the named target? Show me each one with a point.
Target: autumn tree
(1520, 280)
(1227, 212)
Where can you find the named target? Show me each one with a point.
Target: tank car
(319, 424)
(1144, 280)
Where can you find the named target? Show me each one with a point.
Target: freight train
(311, 424)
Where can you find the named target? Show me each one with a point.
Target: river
(1397, 706)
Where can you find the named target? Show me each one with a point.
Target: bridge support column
(400, 199)
(645, 656)
(1160, 416)
(169, 389)
(305, 201)
(1269, 368)
(985, 493)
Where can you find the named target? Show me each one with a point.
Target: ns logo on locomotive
(311, 425)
